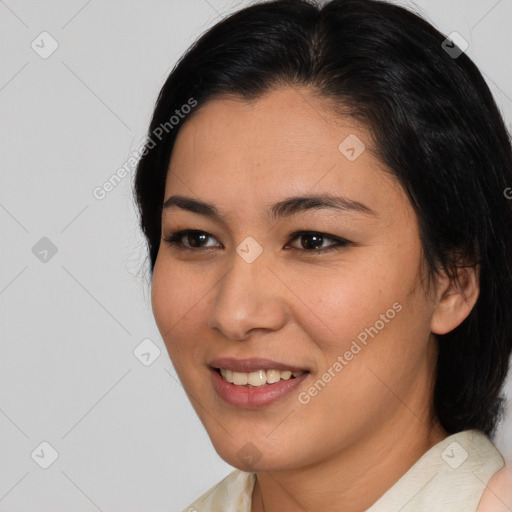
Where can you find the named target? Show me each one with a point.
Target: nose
(249, 298)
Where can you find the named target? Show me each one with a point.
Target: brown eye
(190, 239)
(312, 241)
(196, 239)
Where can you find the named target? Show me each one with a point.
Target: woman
(322, 193)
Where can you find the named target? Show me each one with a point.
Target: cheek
(346, 301)
(177, 297)
(378, 300)
(175, 290)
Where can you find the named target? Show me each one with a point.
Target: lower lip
(254, 397)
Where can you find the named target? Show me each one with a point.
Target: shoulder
(232, 494)
(497, 496)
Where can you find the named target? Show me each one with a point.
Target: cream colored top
(450, 477)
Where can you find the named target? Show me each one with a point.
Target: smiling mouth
(257, 378)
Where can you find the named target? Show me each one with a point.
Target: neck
(353, 479)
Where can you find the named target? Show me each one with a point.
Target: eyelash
(174, 239)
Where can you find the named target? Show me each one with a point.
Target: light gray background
(127, 438)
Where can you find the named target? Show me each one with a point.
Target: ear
(455, 299)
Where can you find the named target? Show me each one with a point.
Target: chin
(253, 457)
(249, 463)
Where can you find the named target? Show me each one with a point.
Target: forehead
(286, 142)
(291, 119)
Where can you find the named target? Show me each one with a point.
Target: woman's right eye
(193, 237)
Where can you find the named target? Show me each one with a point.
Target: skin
(497, 496)
(366, 428)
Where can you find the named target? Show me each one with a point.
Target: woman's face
(248, 293)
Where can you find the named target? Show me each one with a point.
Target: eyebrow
(286, 208)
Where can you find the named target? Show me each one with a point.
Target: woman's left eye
(311, 241)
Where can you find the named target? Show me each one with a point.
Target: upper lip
(253, 364)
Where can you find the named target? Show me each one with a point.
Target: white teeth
(240, 379)
(257, 378)
(273, 376)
